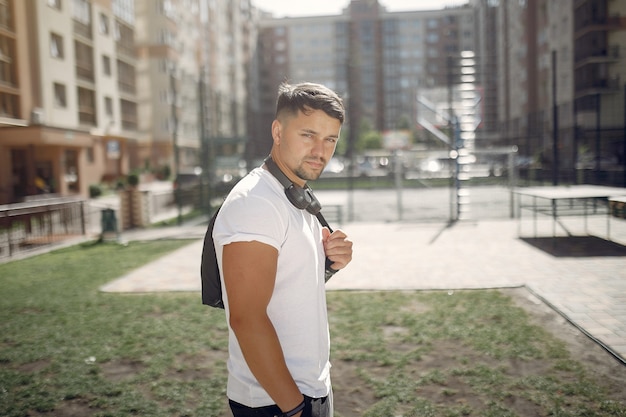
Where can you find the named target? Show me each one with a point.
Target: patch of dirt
(598, 362)
(68, 408)
(118, 370)
(34, 367)
(196, 367)
(353, 395)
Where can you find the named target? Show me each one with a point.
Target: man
(271, 257)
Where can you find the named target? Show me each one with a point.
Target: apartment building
(229, 65)
(69, 106)
(295, 50)
(94, 89)
(424, 56)
(560, 90)
(600, 82)
(193, 78)
(168, 45)
(376, 60)
(487, 39)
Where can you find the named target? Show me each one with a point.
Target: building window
(432, 38)
(8, 105)
(126, 77)
(55, 4)
(60, 97)
(166, 8)
(90, 155)
(106, 65)
(86, 107)
(125, 38)
(108, 106)
(81, 12)
(84, 61)
(7, 67)
(56, 46)
(6, 14)
(104, 24)
(125, 10)
(129, 115)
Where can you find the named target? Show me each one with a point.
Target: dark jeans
(314, 407)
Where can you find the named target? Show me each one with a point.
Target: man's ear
(276, 131)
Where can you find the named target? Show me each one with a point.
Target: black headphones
(300, 197)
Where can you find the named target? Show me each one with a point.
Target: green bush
(133, 179)
(95, 190)
(166, 172)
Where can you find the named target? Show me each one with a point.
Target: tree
(368, 138)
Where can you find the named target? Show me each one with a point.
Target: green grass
(68, 349)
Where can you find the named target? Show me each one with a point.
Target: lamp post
(177, 196)
(206, 155)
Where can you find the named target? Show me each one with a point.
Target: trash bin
(109, 223)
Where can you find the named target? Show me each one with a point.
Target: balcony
(598, 24)
(82, 30)
(86, 115)
(608, 55)
(85, 72)
(609, 85)
(127, 87)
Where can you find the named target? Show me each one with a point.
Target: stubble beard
(307, 175)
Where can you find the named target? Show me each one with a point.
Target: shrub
(133, 179)
(95, 190)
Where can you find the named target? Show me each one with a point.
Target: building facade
(230, 84)
(599, 29)
(69, 105)
(168, 46)
(560, 90)
(378, 61)
(93, 90)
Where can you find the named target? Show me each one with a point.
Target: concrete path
(584, 280)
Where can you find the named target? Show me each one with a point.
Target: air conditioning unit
(37, 116)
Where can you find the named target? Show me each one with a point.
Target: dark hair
(307, 96)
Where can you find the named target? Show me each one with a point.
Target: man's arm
(249, 270)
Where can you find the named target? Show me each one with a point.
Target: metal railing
(32, 224)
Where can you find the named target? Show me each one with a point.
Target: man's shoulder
(257, 182)
(256, 191)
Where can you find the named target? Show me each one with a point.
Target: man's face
(304, 143)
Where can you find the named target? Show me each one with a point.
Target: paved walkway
(588, 288)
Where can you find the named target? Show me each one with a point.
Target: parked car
(187, 179)
(372, 167)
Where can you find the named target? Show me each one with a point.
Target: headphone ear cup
(314, 206)
(298, 197)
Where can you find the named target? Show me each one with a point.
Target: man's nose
(318, 147)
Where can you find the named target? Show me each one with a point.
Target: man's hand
(338, 248)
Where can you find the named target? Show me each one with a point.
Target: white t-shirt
(257, 209)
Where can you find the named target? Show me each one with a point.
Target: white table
(573, 200)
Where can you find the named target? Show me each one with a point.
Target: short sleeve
(252, 218)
